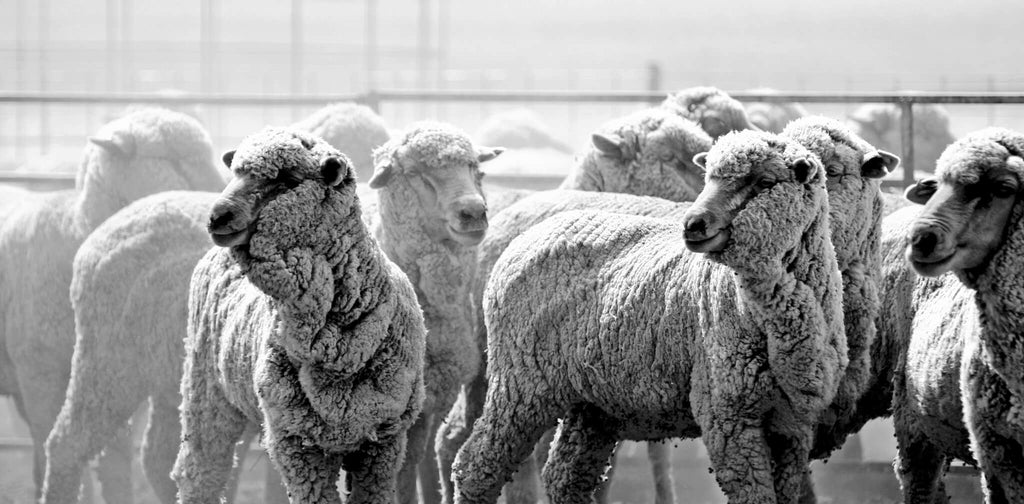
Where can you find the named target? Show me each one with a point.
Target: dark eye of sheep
(1004, 189)
(713, 126)
(288, 179)
(763, 184)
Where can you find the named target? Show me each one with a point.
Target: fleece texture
(988, 372)
(147, 151)
(774, 117)
(129, 291)
(436, 170)
(307, 330)
(737, 374)
(354, 129)
(712, 109)
(879, 124)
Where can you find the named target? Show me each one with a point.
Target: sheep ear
(335, 170)
(921, 191)
(609, 145)
(382, 173)
(701, 160)
(805, 169)
(485, 154)
(878, 164)
(227, 157)
(115, 144)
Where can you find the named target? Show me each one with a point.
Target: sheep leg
(42, 388)
(582, 450)
(660, 455)
(210, 429)
(919, 467)
(114, 468)
(456, 429)
(90, 418)
(415, 449)
(791, 459)
(515, 416)
(163, 434)
(371, 474)
(309, 473)
(740, 459)
(429, 470)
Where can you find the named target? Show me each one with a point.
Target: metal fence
(381, 99)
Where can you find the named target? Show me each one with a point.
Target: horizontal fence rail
(377, 99)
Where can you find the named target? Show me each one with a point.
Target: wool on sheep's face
(302, 170)
(967, 209)
(762, 194)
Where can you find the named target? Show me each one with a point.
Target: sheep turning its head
(436, 167)
(285, 183)
(969, 205)
(763, 192)
(649, 152)
(714, 110)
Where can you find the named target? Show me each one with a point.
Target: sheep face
(967, 208)
(716, 112)
(275, 170)
(762, 193)
(653, 162)
(441, 169)
(152, 150)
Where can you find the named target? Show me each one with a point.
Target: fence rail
(377, 99)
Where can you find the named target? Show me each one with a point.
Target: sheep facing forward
(432, 214)
(971, 225)
(146, 151)
(754, 373)
(300, 325)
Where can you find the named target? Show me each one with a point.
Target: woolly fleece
(308, 330)
(144, 152)
(712, 109)
(354, 129)
(731, 389)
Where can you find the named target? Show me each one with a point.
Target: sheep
(432, 214)
(714, 110)
(129, 291)
(519, 128)
(144, 152)
(773, 116)
(649, 153)
(299, 324)
(879, 124)
(761, 224)
(971, 227)
(351, 128)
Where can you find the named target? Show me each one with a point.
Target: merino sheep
(301, 325)
(432, 214)
(519, 128)
(879, 124)
(144, 152)
(972, 226)
(714, 110)
(351, 128)
(773, 116)
(756, 373)
(129, 290)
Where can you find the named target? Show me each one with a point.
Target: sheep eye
(1004, 190)
(763, 184)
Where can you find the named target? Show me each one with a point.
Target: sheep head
(762, 194)
(285, 183)
(648, 153)
(435, 166)
(968, 205)
(714, 110)
(853, 168)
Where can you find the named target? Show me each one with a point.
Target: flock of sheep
(701, 272)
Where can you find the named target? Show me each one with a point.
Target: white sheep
(144, 152)
(755, 373)
(351, 128)
(298, 324)
(712, 109)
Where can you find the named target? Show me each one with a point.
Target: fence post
(654, 79)
(907, 139)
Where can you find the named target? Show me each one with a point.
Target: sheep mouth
(231, 238)
(467, 237)
(713, 243)
(932, 265)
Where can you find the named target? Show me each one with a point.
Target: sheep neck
(439, 269)
(1000, 300)
(96, 200)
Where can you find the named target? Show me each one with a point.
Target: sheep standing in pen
(301, 325)
(432, 214)
(639, 339)
(714, 110)
(144, 152)
(972, 225)
(649, 152)
(351, 128)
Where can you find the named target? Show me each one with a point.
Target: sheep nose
(471, 213)
(221, 217)
(697, 224)
(924, 242)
